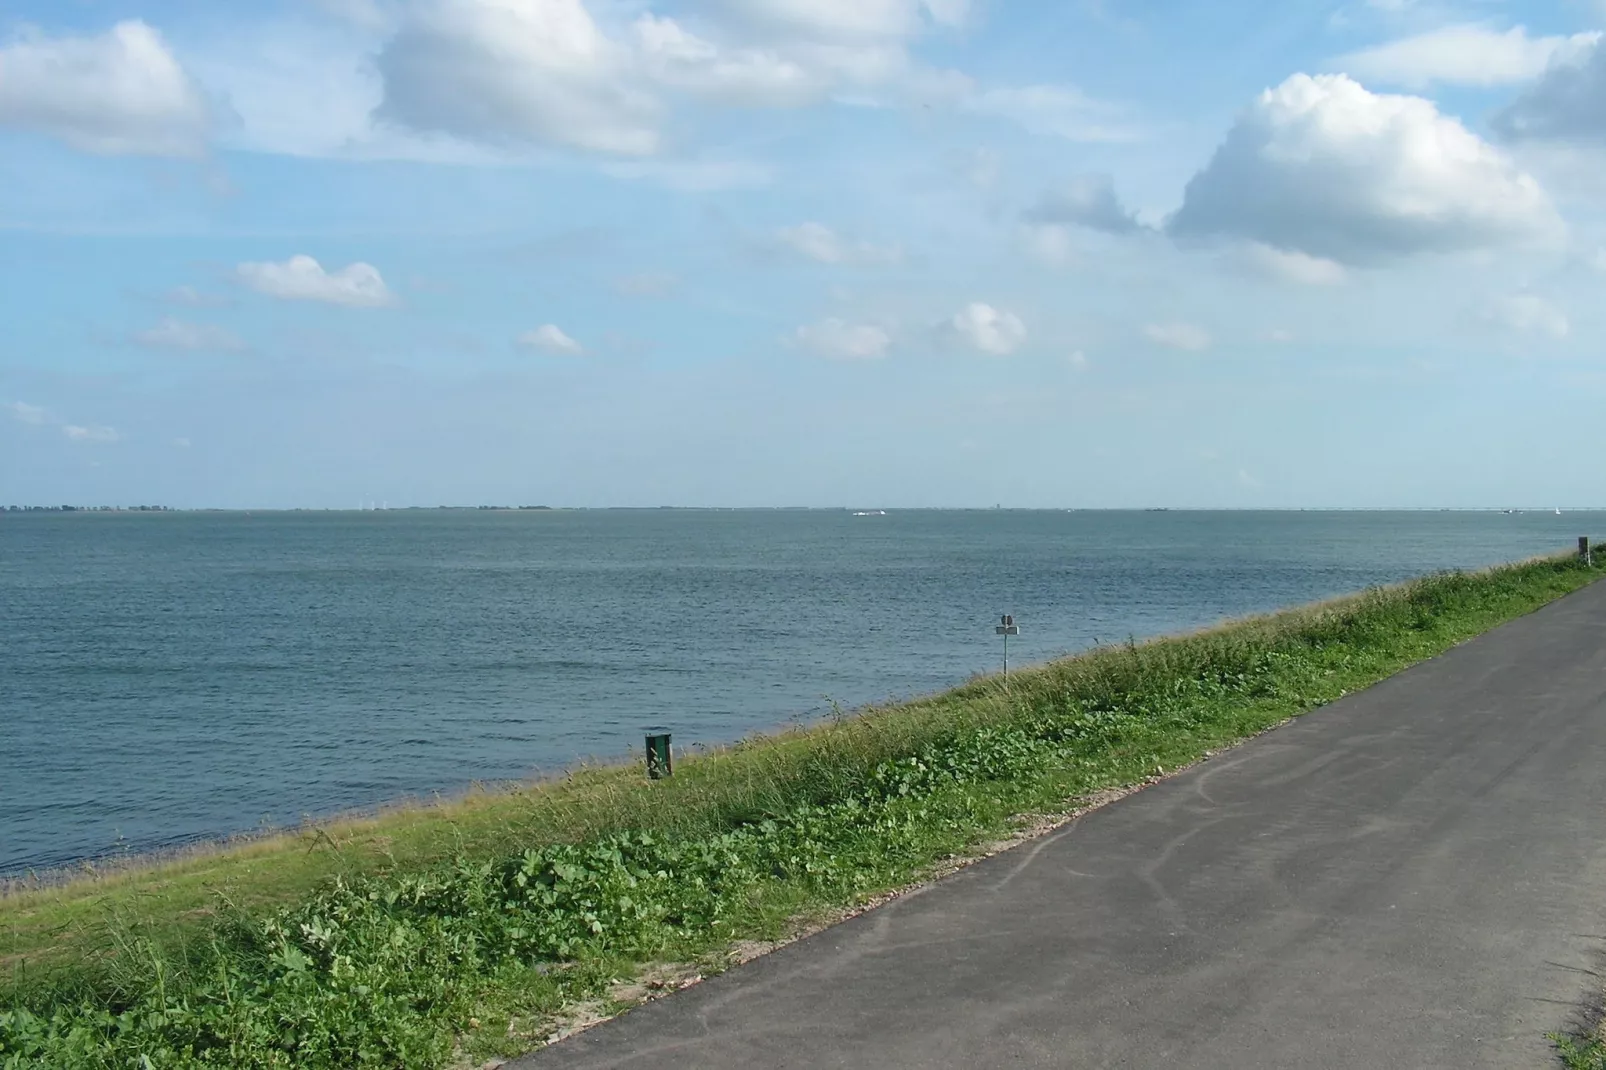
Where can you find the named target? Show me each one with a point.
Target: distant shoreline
(100, 510)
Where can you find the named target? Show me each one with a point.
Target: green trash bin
(659, 762)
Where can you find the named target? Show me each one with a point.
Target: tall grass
(519, 906)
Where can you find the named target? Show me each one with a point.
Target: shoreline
(113, 865)
(602, 875)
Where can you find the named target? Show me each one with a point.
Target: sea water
(172, 677)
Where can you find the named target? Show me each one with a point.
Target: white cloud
(1322, 166)
(841, 340)
(520, 70)
(1053, 110)
(195, 337)
(674, 57)
(1279, 335)
(181, 443)
(787, 52)
(1466, 54)
(493, 81)
(121, 93)
(988, 329)
(301, 278)
(1526, 314)
(551, 339)
(1186, 336)
(819, 242)
(26, 413)
(1567, 103)
(91, 436)
(1077, 360)
(1291, 265)
(1085, 201)
(305, 87)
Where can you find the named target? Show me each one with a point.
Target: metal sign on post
(1006, 627)
(659, 763)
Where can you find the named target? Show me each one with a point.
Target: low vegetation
(1587, 1052)
(456, 933)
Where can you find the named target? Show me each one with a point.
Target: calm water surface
(170, 677)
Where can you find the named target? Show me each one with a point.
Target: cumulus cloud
(301, 278)
(92, 435)
(172, 333)
(521, 70)
(1526, 314)
(990, 330)
(1185, 336)
(1085, 201)
(550, 339)
(25, 413)
(119, 93)
(1567, 103)
(1466, 54)
(1289, 265)
(1320, 165)
(819, 242)
(841, 340)
(513, 72)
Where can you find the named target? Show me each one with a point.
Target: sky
(868, 253)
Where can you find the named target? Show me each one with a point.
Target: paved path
(1412, 877)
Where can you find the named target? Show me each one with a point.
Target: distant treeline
(87, 509)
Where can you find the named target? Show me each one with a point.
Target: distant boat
(872, 512)
(1558, 512)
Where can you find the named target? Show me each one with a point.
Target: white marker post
(1006, 627)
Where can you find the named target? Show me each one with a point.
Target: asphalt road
(1412, 877)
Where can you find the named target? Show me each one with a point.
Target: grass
(1585, 1052)
(454, 933)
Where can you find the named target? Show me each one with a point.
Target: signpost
(1006, 627)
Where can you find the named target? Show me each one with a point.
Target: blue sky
(802, 252)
